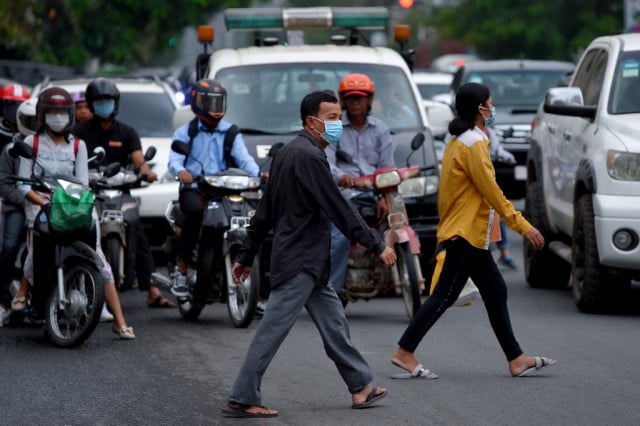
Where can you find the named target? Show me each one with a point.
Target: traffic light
(405, 4)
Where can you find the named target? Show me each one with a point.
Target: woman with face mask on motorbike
(469, 201)
(58, 153)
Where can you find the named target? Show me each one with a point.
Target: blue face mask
(332, 130)
(489, 121)
(104, 107)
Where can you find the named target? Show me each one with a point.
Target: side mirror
(23, 150)
(417, 141)
(150, 153)
(344, 156)
(98, 155)
(180, 147)
(111, 170)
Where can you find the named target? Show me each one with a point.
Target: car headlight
(623, 165)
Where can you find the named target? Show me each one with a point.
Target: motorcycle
(366, 276)
(67, 293)
(232, 199)
(117, 209)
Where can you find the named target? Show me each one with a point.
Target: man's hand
(388, 257)
(240, 273)
(264, 176)
(346, 181)
(149, 176)
(535, 238)
(382, 209)
(185, 177)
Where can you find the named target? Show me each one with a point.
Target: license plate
(520, 172)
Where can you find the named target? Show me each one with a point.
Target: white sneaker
(105, 315)
(4, 316)
(468, 294)
(180, 288)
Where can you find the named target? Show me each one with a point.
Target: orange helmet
(356, 84)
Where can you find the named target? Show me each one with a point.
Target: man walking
(299, 204)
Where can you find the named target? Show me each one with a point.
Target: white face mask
(56, 122)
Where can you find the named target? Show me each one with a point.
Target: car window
(428, 90)
(624, 97)
(151, 114)
(525, 88)
(596, 77)
(583, 73)
(267, 97)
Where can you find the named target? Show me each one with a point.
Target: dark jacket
(12, 198)
(300, 203)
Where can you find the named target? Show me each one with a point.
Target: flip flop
(372, 398)
(241, 411)
(420, 372)
(541, 362)
(161, 302)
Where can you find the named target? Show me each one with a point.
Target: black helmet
(55, 99)
(209, 101)
(102, 88)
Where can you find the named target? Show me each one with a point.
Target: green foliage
(541, 29)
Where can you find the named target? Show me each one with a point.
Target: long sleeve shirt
(12, 197)
(469, 193)
(300, 203)
(207, 152)
(370, 147)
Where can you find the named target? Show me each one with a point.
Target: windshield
(625, 98)
(523, 88)
(151, 114)
(429, 90)
(267, 97)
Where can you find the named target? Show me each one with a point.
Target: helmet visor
(213, 103)
(27, 121)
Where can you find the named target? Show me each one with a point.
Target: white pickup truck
(583, 178)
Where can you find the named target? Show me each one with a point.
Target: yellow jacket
(468, 193)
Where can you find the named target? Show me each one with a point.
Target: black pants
(143, 257)
(461, 262)
(191, 202)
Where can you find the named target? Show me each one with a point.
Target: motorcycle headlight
(623, 165)
(385, 180)
(233, 182)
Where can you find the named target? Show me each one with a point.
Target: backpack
(36, 142)
(229, 138)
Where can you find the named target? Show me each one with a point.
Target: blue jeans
(13, 235)
(504, 242)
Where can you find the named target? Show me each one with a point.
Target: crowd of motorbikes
(68, 291)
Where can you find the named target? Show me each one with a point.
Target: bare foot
(404, 359)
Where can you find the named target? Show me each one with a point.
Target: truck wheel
(542, 268)
(595, 289)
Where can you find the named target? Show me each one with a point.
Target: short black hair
(310, 105)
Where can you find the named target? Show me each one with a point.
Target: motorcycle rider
(208, 99)
(17, 111)
(83, 112)
(368, 140)
(59, 153)
(122, 144)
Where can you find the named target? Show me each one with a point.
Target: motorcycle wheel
(242, 298)
(114, 255)
(406, 264)
(84, 291)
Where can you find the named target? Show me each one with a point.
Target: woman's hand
(535, 238)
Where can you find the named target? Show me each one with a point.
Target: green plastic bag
(69, 213)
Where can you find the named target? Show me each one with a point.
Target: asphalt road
(179, 373)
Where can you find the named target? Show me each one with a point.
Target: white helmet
(26, 117)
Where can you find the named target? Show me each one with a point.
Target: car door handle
(566, 135)
(552, 130)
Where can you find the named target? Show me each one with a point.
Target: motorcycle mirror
(344, 156)
(274, 149)
(111, 170)
(150, 153)
(98, 155)
(180, 147)
(417, 141)
(23, 150)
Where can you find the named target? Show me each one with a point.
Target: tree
(543, 29)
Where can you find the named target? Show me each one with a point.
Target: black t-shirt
(119, 140)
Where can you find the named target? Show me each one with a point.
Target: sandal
(19, 304)
(124, 333)
(236, 410)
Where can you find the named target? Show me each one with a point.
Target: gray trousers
(285, 303)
